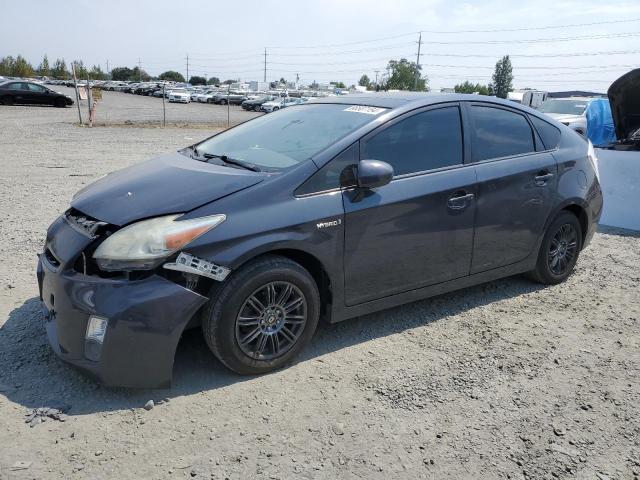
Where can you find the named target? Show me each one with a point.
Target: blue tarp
(600, 129)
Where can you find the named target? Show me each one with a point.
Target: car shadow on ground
(32, 376)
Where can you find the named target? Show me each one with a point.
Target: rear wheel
(262, 316)
(559, 250)
(7, 100)
(275, 108)
(223, 102)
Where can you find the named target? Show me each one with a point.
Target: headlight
(144, 244)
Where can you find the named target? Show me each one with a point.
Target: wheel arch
(309, 262)
(577, 208)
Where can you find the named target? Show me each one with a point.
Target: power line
(537, 40)
(526, 29)
(447, 32)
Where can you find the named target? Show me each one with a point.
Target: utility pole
(107, 66)
(415, 83)
(139, 69)
(264, 78)
(376, 71)
(187, 68)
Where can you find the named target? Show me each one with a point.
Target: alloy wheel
(562, 249)
(271, 320)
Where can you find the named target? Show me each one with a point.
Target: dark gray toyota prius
(330, 209)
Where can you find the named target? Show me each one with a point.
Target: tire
(60, 103)
(275, 108)
(231, 316)
(564, 237)
(8, 100)
(223, 102)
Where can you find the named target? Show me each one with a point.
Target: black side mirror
(373, 173)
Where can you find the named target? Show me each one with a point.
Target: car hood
(624, 97)
(172, 183)
(566, 118)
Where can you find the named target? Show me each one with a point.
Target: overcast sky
(335, 40)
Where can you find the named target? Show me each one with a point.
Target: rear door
(418, 229)
(516, 185)
(38, 94)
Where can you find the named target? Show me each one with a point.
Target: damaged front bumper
(144, 318)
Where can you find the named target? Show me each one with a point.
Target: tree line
(405, 75)
(401, 75)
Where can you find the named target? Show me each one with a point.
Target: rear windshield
(289, 136)
(568, 107)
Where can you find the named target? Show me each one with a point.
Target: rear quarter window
(500, 133)
(549, 134)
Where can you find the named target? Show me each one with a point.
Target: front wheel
(262, 316)
(60, 103)
(559, 250)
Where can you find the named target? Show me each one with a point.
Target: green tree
(402, 76)
(502, 78)
(171, 76)
(22, 68)
(468, 87)
(229, 82)
(81, 70)
(44, 70)
(96, 73)
(338, 84)
(364, 81)
(213, 81)
(139, 75)
(195, 80)
(6, 66)
(59, 70)
(121, 74)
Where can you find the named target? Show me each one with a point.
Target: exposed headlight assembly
(144, 245)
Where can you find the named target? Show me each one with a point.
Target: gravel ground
(505, 380)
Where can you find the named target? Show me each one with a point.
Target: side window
(499, 133)
(16, 86)
(427, 140)
(549, 134)
(35, 88)
(334, 174)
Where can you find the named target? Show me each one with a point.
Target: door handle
(460, 200)
(543, 178)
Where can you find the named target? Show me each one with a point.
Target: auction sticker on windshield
(364, 109)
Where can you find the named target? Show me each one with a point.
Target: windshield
(290, 136)
(568, 107)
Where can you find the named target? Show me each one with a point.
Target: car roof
(400, 99)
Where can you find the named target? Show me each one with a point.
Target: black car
(256, 103)
(28, 93)
(327, 210)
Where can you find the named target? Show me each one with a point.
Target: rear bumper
(145, 321)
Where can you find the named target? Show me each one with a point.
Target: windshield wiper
(233, 161)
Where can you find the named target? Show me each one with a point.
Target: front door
(418, 229)
(516, 186)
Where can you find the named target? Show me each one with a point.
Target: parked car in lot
(180, 95)
(281, 103)
(29, 93)
(330, 209)
(233, 98)
(257, 102)
(570, 111)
